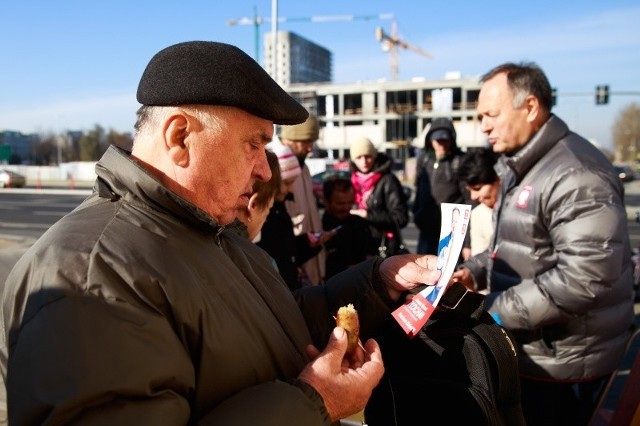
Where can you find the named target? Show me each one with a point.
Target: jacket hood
(441, 123)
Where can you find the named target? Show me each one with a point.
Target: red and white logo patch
(523, 196)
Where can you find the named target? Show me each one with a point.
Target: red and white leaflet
(414, 314)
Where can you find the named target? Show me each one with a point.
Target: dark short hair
(476, 167)
(524, 78)
(267, 190)
(335, 183)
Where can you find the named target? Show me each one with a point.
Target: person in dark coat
(437, 182)
(353, 242)
(289, 251)
(379, 196)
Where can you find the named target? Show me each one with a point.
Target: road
(28, 213)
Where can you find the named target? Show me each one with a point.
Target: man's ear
(176, 132)
(533, 108)
(253, 202)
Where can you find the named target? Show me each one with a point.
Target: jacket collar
(542, 141)
(120, 176)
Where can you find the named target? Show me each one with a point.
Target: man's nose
(484, 125)
(262, 170)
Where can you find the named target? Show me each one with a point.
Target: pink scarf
(363, 184)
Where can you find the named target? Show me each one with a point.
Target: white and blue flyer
(455, 221)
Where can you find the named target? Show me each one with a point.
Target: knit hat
(307, 131)
(289, 165)
(212, 73)
(362, 146)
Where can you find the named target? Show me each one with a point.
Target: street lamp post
(274, 32)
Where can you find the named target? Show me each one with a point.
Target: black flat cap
(212, 73)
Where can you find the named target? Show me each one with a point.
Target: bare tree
(626, 134)
(46, 151)
(92, 144)
(121, 140)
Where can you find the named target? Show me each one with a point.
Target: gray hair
(149, 117)
(524, 79)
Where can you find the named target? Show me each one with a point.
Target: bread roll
(347, 318)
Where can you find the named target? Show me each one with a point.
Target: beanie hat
(212, 73)
(289, 165)
(307, 131)
(362, 146)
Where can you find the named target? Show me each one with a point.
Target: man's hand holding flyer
(415, 313)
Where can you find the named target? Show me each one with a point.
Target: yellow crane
(391, 42)
(256, 21)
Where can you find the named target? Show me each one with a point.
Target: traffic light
(554, 96)
(602, 94)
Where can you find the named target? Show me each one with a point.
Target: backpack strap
(459, 298)
(506, 356)
(469, 303)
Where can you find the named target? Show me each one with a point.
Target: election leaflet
(414, 314)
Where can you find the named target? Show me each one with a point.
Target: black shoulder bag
(461, 368)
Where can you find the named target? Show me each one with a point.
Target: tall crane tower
(391, 42)
(257, 21)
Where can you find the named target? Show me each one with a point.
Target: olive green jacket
(137, 308)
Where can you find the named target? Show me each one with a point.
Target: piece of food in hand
(347, 318)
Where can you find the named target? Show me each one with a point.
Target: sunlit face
(340, 204)
(286, 187)
(486, 193)
(364, 163)
(224, 163)
(508, 128)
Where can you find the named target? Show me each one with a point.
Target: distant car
(625, 173)
(9, 179)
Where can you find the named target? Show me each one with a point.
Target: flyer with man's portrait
(455, 221)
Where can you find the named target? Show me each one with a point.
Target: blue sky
(71, 64)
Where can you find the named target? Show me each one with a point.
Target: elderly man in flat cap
(144, 306)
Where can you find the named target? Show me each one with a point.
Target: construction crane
(256, 21)
(391, 42)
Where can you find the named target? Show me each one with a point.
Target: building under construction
(393, 114)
